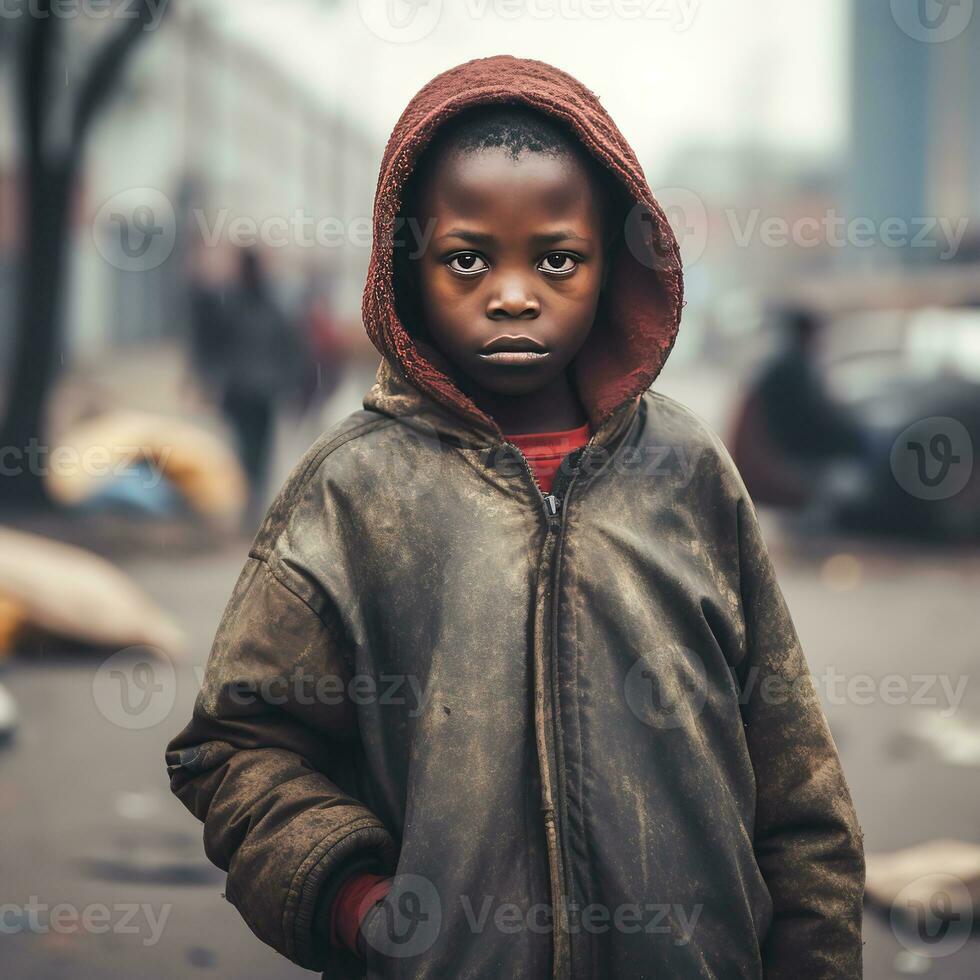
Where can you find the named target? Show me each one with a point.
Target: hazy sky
(677, 71)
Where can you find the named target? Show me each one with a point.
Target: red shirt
(546, 450)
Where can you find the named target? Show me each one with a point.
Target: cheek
(436, 292)
(579, 296)
(450, 309)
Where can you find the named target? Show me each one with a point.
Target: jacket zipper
(551, 502)
(553, 805)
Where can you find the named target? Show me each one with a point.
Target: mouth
(514, 350)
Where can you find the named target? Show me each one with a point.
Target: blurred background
(185, 225)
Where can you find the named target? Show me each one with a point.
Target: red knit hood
(637, 324)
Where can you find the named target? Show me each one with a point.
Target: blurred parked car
(910, 379)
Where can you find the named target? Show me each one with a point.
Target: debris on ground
(54, 591)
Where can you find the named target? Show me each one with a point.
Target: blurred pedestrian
(252, 359)
(818, 438)
(800, 415)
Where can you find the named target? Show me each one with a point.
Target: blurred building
(915, 117)
(212, 133)
(889, 220)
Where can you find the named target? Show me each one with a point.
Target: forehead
(486, 182)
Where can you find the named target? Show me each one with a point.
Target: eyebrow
(476, 237)
(481, 238)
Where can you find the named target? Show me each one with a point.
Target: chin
(513, 381)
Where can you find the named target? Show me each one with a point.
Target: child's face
(516, 250)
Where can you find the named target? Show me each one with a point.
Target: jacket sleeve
(270, 720)
(808, 843)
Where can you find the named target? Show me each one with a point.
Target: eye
(467, 264)
(559, 264)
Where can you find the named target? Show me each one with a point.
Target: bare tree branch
(106, 69)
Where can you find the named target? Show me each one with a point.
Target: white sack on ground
(203, 468)
(65, 591)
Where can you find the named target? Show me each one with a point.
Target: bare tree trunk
(49, 183)
(38, 315)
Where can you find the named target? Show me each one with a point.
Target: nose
(513, 300)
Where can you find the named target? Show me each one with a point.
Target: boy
(561, 712)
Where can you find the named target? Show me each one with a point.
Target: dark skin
(516, 250)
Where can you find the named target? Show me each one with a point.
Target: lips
(510, 343)
(514, 350)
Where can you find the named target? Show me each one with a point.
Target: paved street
(87, 816)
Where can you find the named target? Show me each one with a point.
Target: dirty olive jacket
(577, 727)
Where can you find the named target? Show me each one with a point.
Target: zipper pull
(553, 504)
